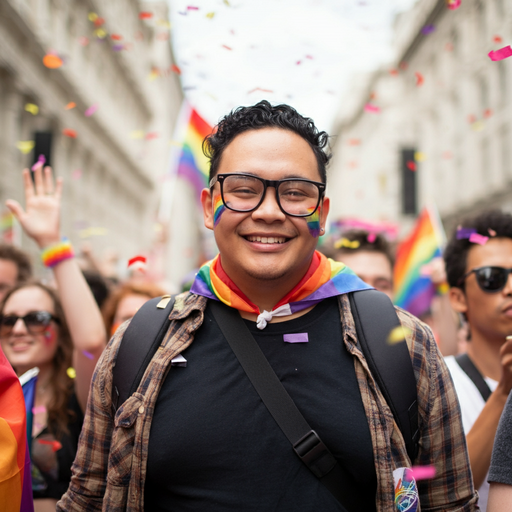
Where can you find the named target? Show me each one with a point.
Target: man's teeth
(267, 240)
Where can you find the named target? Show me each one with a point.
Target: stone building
(117, 71)
(434, 127)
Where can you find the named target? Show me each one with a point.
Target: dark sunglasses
(36, 322)
(490, 279)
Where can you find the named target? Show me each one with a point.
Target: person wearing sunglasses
(196, 435)
(59, 331)
(480, 279)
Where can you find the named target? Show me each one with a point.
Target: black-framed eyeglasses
(36, 322)
(490, 279)
(297, 197)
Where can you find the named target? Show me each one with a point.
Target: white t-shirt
(471, 405)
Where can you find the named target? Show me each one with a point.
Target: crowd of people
(199, 432)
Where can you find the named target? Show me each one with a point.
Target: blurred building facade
(117, 60)
(434, 127)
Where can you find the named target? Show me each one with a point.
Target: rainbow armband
(56, 253)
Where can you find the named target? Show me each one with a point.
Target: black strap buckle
(315, 454)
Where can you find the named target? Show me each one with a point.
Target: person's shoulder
(187, 303)
(413, 326)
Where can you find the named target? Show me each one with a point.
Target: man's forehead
(495, 252)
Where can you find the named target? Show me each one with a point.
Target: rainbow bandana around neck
(325, 278)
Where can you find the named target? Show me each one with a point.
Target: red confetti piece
(70, 105)
(227, 47)
(145, 15)
(471, 119)
(176, 69)
(393, 72)
(419, 79)
(68, 132)
(487, 113)
(423, 472)
(411, 165)
(136, 259)
(497, 39)
(52, 61)
(56, 446)
(99, 21)
(503, 53)
(152, 135)
(116, 37)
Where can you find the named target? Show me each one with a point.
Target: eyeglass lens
(35, 322)
(492, 278)
(244, 193)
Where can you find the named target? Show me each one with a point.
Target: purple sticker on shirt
(298, 337)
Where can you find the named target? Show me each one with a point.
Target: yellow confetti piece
(227, 3)
(92, 16)
(210, 15)
(32, 108)
(25, 146)
(478, 126)
(345, 242)
(100, 33)
(419, 156)
(153, 76)
(86, 233)
(137, 134)
(163, 23)
(71, 373)
(398, 334)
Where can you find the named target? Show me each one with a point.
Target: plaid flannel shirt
(110, 467)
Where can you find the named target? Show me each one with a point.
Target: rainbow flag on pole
(15, 478)
(193, 164)
(414, 291)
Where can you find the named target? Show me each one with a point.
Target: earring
(322, 230)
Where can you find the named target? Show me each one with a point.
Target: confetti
(145, 15)
(393, 72)
(68, 132)
(52, 61)
(453, 4)
(77, 174)
(488, 113)
(176, 69)
(296, 337)
(411, 165)
(491, 232)
(463, 233)
(87, 354)
(398, 334)
(118, 47)
(210, 15)
(371, 108)
(25, 146)
(40, 162)
(371, 238)
(227, 47)
(497, 39)
(259, 89)
(192, 8)
(478, 126)
(92, 16)
(99, 21)
(419, 156)
(476, 238)
(448, 47)
(152, 135)
(345, 242)
(116, 37)
(38, 409)
(32, 108)
(86, 233)
(91, 110)
(227, 3)
(137, 134)
(136, 259)
(71, 373)
(423, 472)
(83, 41)
(56, 446)
(100, 33)
(500, 54)
(70, 105)
(419, 79)
(428, 29)
(354, 142)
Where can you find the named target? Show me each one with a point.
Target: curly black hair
(264, 115)
(456, 252)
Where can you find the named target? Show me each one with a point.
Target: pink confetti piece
(192, 8)
(423, 472)
(40, 162)
(371, 108)
(501, 54)
(91, 110)
(491, 232)
(87, 354)
(371, 238)
(297, 337)
(453, 4)
(227, 47)
(38, 409)
(476, 238)
(77, 174)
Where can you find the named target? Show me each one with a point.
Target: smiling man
(480, 278)
(200, 437)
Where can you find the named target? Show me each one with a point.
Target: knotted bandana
(325, 278)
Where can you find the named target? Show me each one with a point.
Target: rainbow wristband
(56, 253)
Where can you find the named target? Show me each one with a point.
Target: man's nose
(269, 207)
(508, 287)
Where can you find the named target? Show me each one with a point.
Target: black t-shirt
(214, 445)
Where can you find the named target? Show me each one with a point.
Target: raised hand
(41, 217)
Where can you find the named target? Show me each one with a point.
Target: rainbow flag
(15, 478)
(193, 164)
(414, 291)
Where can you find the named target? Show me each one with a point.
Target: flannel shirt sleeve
(89, 470)
(442, 441)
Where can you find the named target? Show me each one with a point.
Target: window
(409, 184)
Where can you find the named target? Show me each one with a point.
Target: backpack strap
(390, 364)
(140, 342)
(472, 372)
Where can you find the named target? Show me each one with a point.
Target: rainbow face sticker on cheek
(313, 222)
(218, 210)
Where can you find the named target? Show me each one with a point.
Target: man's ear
(324, 211)
(458, 299)
(206, 201)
